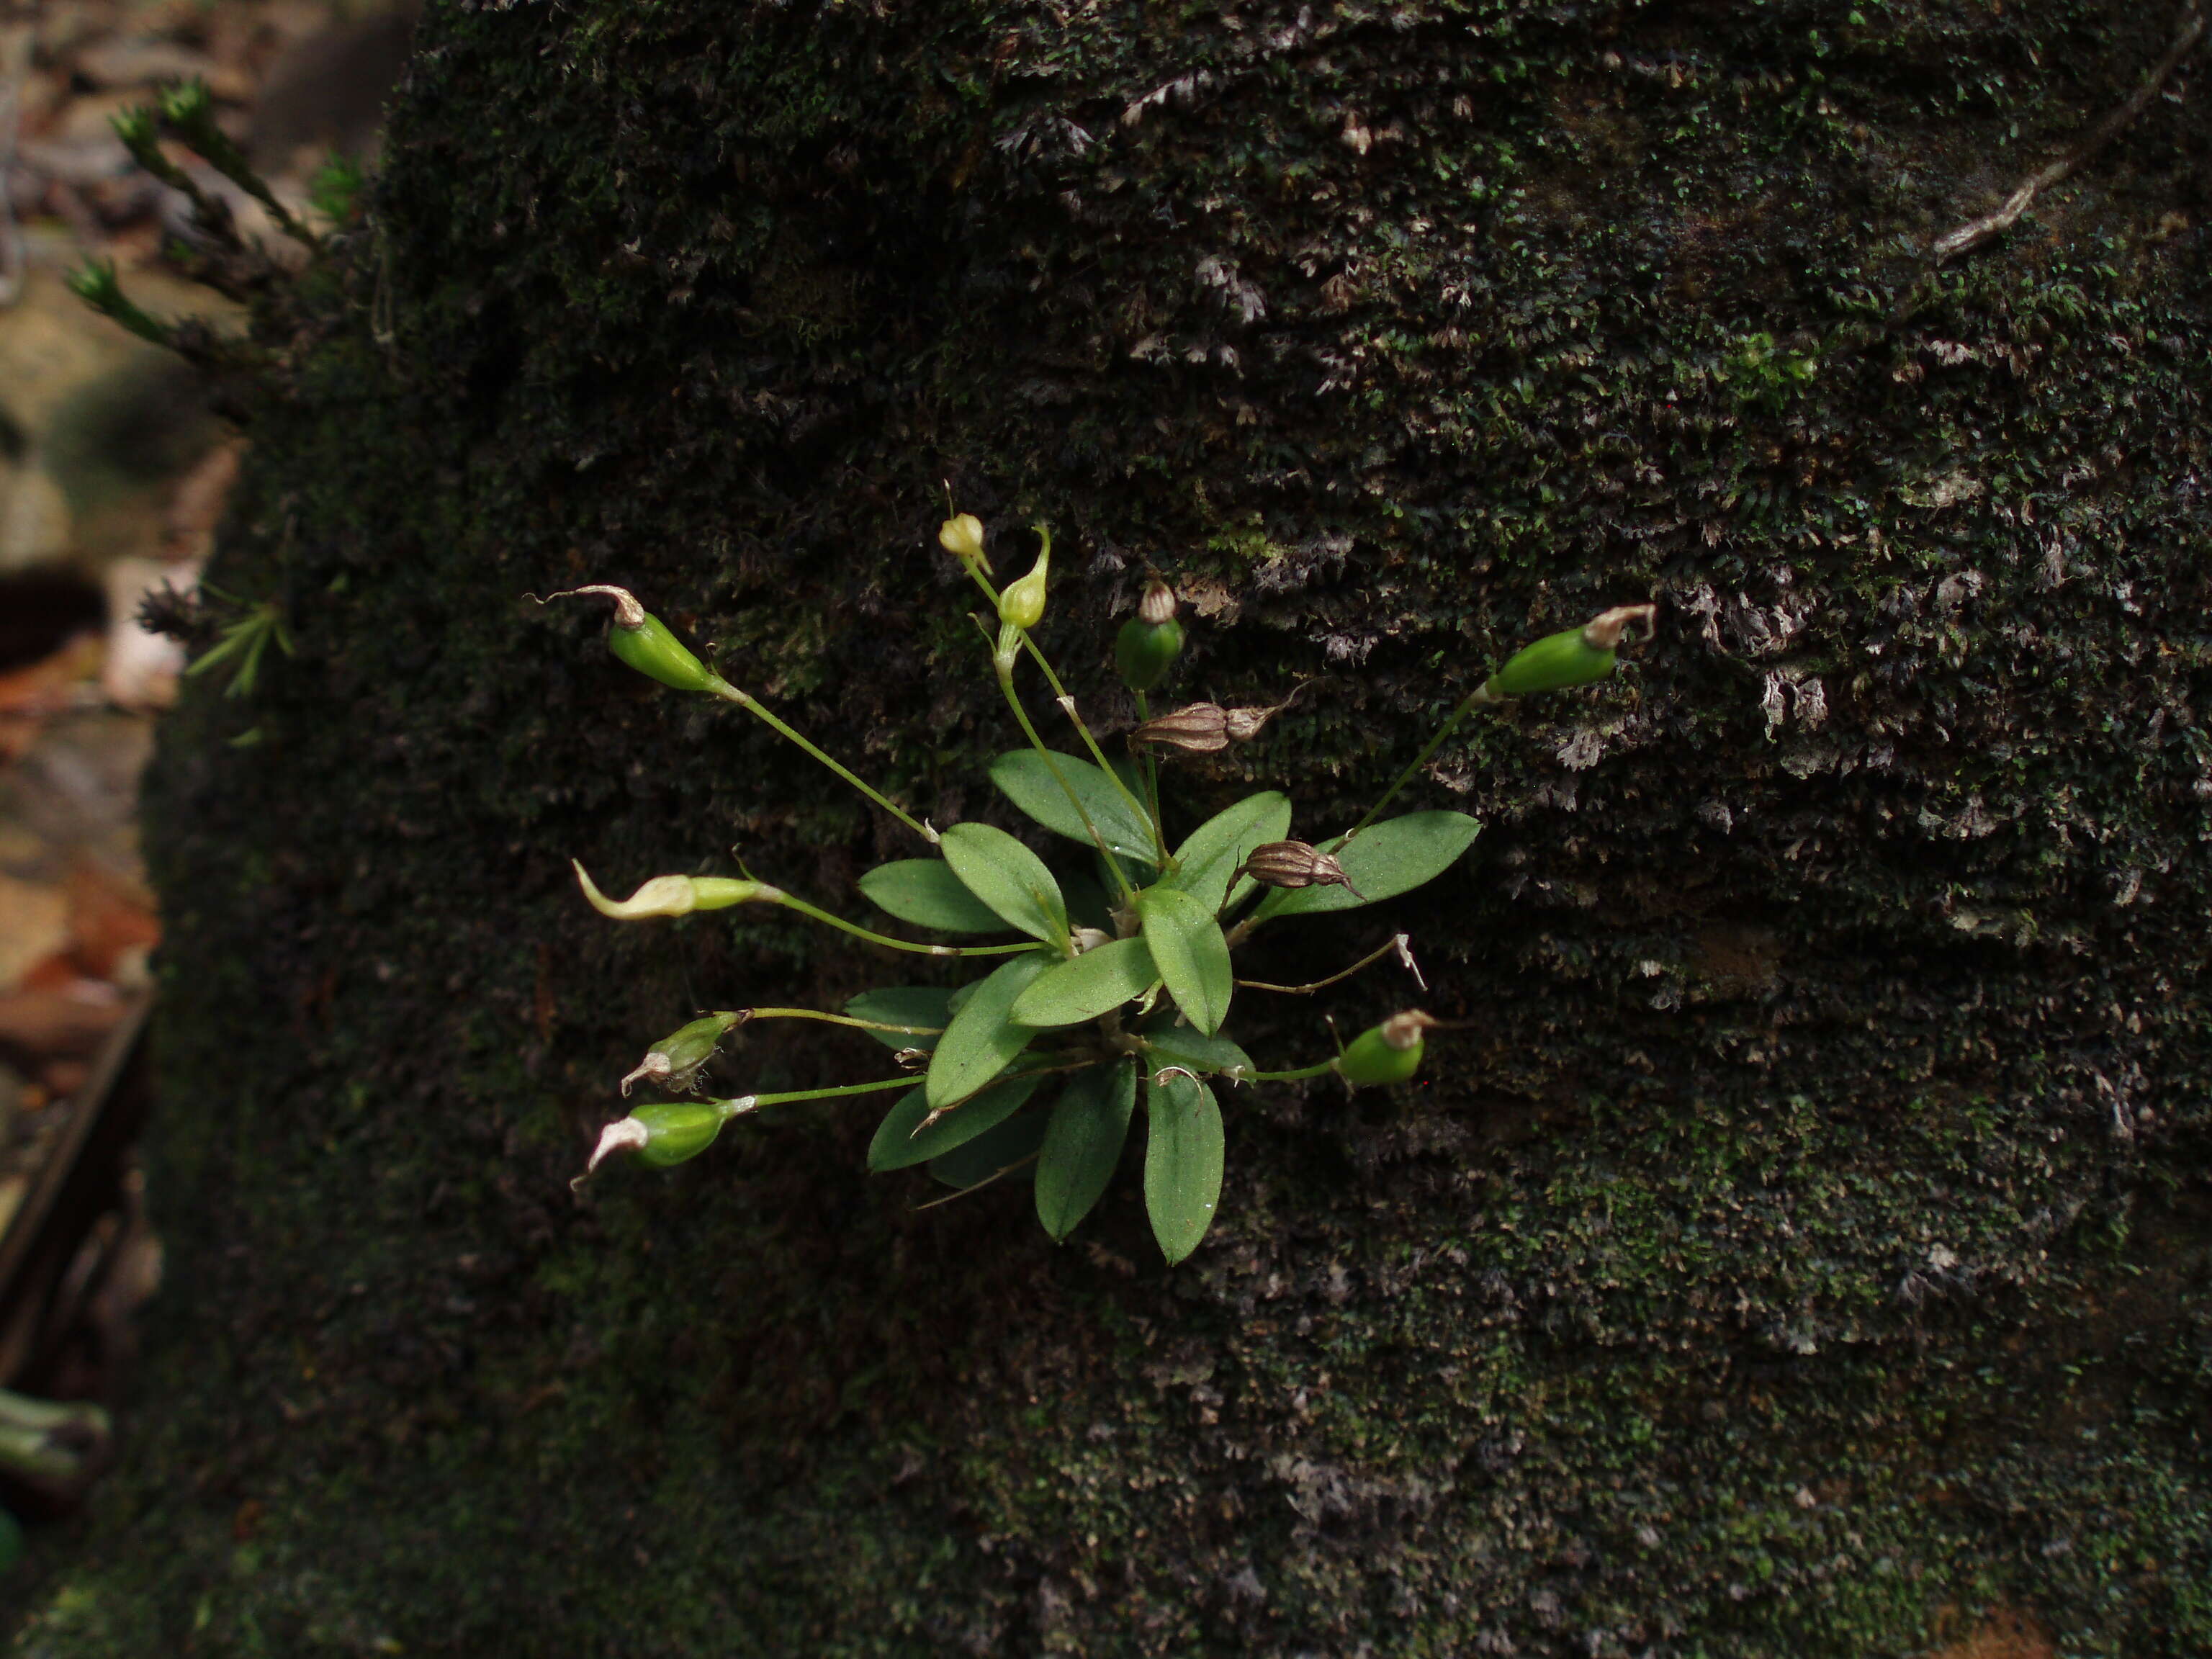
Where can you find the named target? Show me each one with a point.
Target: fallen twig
(2188, 29)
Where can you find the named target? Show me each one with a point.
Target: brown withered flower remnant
(1296, 863)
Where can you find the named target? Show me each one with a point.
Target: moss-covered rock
(1802, 1247)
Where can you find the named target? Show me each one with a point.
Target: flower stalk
(1575, 657)
(641, 639)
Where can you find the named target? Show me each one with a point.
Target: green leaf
(1182, 1163)
(1216, 848)
(1027, 782)
(1009, 878)
(927, 893)
(1190, 952)
(1175, 1044)
(904, 1005)
(898, 1146)
(983, 1038)
(1395, 856)
(1069, 993)
(991, 1153)
(1083, 1145)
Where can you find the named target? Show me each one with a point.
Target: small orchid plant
(1116, 981)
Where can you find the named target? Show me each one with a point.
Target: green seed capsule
(652, 650)
(674, 1062)
(677, 1130)
(642, 640)
(1148, 642)
(1574, 658)
(1143, 651)
(1022, 604)
(662, 1134)
(1550, 665)
(1390, 1053)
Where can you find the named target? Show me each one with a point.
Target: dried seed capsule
(663, 1134)
(1244, 724)
(1295, 864)
(674, 1062)
(671, 896)
(1206, 728)
(1573, 657)
(962, 536)
(1149, 642)
(1198, 728)
(1390, 1053)
(1021, 605)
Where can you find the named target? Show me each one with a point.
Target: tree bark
(1801, 1248)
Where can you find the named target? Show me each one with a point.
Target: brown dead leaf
(110, 921)
(62, 1078)
(30, 696)
(59, 1024)
(34, 925)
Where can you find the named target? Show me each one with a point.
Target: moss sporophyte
(1107, 994)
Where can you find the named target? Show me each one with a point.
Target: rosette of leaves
(1120, 1002)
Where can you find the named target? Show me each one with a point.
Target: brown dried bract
(1603, 632)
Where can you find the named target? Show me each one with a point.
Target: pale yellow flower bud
(962, 536)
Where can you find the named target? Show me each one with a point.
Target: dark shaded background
(1803, 1251)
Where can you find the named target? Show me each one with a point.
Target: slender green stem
(984, 582)
(1002, 661)
(1243, 930)
(1013, 701)
(1396, 942)
(751, 1014)
(743, 1103)
(22, 1410)
(777, 895)
(34, 1456)
(1067, 706)
(752, 705)
(1151, 775)
(1087, 1061)
(1322, 1070)
(962, 1192)
(1474, 699)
